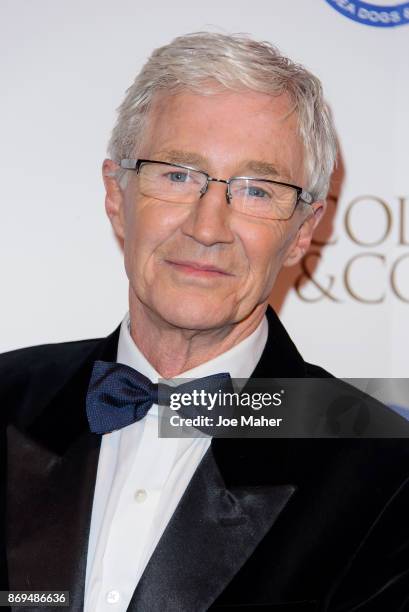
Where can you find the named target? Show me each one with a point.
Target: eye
(257, 192)
(178, 176)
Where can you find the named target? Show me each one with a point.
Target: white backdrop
(64, 68)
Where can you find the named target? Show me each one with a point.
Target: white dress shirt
(141, 479)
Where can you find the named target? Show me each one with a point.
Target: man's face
(204, 265)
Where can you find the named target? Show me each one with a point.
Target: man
(219, 166)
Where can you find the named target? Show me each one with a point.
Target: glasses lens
(170, 183)
(262, 198)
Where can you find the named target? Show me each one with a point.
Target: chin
(194, 314)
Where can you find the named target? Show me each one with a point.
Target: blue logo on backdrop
(372, 14)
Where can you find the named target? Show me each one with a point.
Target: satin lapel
(210, 536)
(52, 467)
(280, 358)
(48, 515)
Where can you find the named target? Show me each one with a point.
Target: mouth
(195, 268)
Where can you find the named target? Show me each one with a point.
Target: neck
(172, 350)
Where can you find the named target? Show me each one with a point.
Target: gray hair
(235, 62)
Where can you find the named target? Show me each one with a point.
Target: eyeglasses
(255, 197)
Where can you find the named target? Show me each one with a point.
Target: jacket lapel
(47, 546)
(227, 509)
(280, 358)
(52, 463)
(210, 536)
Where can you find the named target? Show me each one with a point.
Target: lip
(196, 268)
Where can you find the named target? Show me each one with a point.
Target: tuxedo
(269, 524)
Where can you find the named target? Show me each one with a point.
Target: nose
(209, 219)
(216, 180)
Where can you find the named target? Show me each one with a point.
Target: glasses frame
(136, 164)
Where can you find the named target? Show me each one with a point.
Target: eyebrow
(174, 156)
(261, 168)
(248, 167)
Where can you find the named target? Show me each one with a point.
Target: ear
(114, 197)
(302, 241)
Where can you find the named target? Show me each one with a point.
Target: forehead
(225, 132)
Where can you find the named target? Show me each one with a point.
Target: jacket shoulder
(18, 360)
(44, 364)
(315, 371)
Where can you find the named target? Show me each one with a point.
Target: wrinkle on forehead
(215, 89)
(281, 106)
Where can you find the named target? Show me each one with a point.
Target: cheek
(264, 245)
(148, 224)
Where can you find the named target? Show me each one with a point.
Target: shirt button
(113, 597)
(140, 496)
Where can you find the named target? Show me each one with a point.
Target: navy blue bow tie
(118, 395)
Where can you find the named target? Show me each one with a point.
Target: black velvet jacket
(281, 525)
